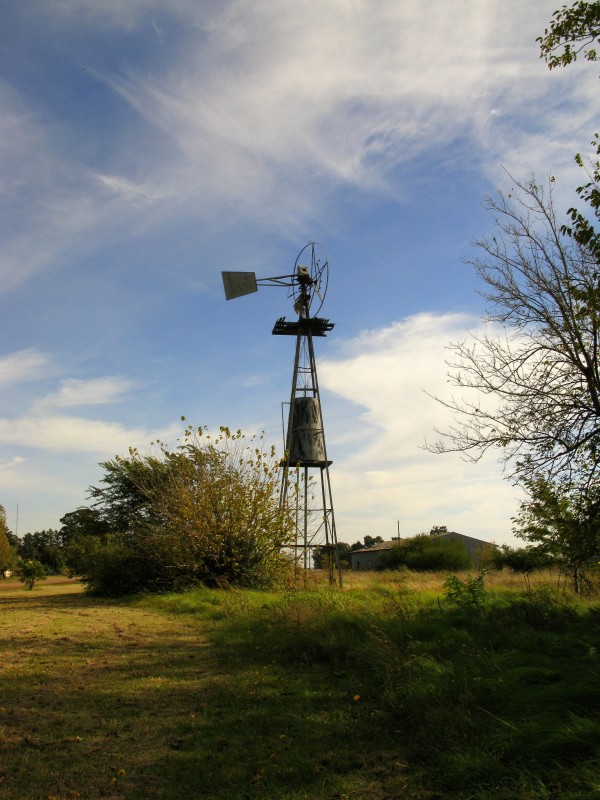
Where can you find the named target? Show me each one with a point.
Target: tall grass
(501, 701)
(380, 690)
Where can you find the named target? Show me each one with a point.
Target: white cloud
(387, 371)
(264, 116)
(98, 391)
(23, 365)
(78, 435)
(386, 475)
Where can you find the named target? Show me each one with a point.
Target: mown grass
(379, 690)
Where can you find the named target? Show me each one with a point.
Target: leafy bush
(523, 559)
(207, 511)
(30, 571)
(426, 553)
(469, 593)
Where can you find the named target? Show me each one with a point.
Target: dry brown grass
(93, 693)
(430, 581)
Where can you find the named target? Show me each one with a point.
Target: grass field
(380, 690)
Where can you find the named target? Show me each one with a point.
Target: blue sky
(145, 146)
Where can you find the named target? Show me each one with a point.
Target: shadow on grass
(137, 716)
(301, 701)
(40, 602)
(499, 703)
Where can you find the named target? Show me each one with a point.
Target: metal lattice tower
(305, 481)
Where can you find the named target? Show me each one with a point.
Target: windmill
(305, 480)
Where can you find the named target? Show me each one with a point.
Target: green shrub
(206, 512)
(469, 593)
(426, 553)
(30, 571)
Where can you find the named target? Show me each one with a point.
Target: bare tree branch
(532, 392)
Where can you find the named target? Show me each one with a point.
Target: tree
(7, 551)
(322, 556)
(571, 31)
(30, 572)
(535, 377)
(121, 504)
(45, 547)
(6, 554)
(438, 529)
(206, 511)
(371, 541)
(563, 521)
(82, 531)
(368, 541)
(82, 522)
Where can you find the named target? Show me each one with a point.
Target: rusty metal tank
(306, 440)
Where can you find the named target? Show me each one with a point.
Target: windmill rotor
(307, 285)
(310, 278)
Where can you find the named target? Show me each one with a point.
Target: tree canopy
(563, 522)
(425, 552)
(45, 547)
(572, 29)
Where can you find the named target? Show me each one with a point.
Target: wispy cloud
(346, 99)
(78, 435)
(128, 189)
(48, 193)
(260, 111)
(23, 365)
(124, 14)
(97, 391)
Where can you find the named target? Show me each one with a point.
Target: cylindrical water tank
(306, 440)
